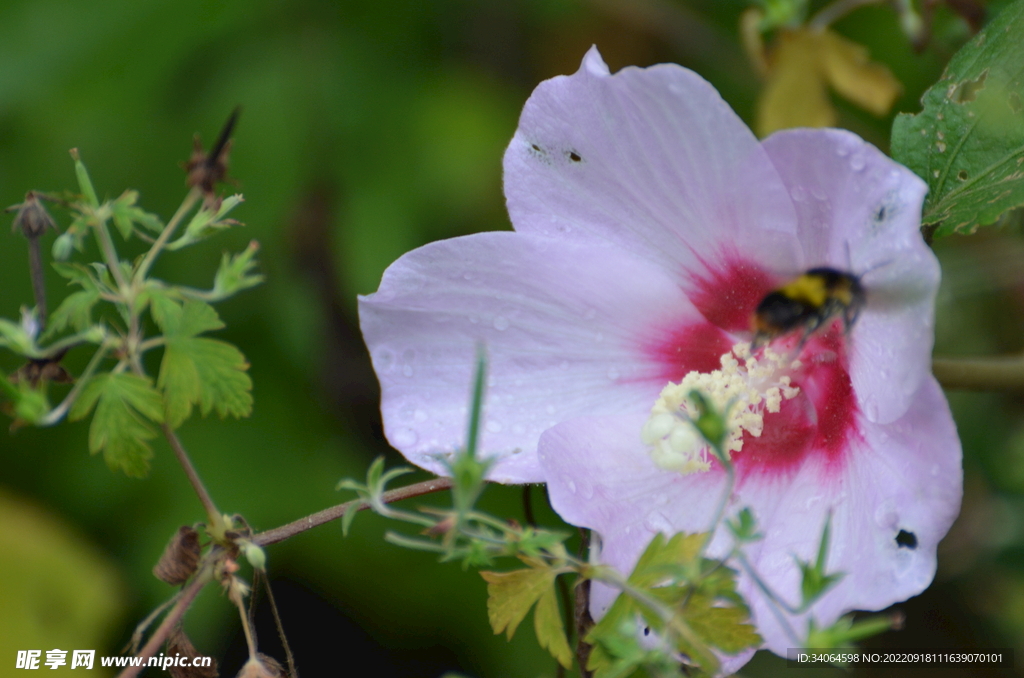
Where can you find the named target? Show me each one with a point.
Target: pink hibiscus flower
(649, 223)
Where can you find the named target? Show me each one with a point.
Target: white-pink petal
(859, 211)
(562, 324)
(651, 160)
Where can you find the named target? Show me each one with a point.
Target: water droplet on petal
(385, 360)
(405, 437)
(842, 151)
(658, 522)
(571, 484)
(798, 194)
(586, 489)
(501, 323)
(857, 162)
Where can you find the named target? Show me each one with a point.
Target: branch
(172, 619)
(1005, 373)
(327, 515)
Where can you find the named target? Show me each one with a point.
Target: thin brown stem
(35, 268)
(327, 515)
(1004, 373)
(172, 619)
(212, 513)
(583, 621)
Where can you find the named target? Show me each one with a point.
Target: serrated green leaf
(197, 370)
(234, 275)
(724, 627)
(126, 215)
(75, 312)
(126, 405)
(205, 372)
(510, 595)
(967, 143)
(665, 556)
(550, 630)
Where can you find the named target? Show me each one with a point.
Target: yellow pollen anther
(744, 388)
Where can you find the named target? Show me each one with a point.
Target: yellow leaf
(795, 94)
(510, 595)
(547, 623)
(848, 69)
(803, 64)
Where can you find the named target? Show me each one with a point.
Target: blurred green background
(369, 128)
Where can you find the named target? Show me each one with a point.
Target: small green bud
(63, 246)
(256, 556)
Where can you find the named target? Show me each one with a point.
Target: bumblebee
(807, 303)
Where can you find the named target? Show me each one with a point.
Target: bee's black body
(807, 303)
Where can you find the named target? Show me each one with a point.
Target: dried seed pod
(181, 557)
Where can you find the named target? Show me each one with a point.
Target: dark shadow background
(369, 128)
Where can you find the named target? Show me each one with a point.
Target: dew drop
(405, 437)
(385, 360)
(798, 194)
(941, 145)
(501, 323)
(857, 162)
(473, 319)
(842, 151)
(572, 485)
(658, 522)
(586, 489)
(467, 276)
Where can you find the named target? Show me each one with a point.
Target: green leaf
(234, 273)
(126, 215)
(125, 404)
(967, 143)
(75, 312)
(196, 370)
(550, 630)
(510, 595)
(724, 627)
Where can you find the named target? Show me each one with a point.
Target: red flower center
(820, 421)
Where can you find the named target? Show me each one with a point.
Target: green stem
(774, 602)
(186, 205)
(110, 256)
(1003, 373)
(832, 13)
(57, 413)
